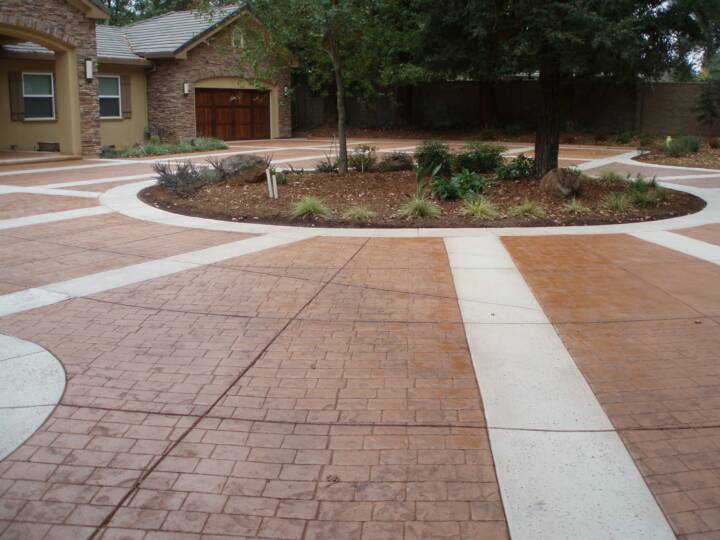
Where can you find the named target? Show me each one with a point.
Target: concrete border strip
(561, 484)
(684, 244)
(51, 217)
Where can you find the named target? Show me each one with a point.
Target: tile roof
(112, 44)
(161, 36)
(166, 34)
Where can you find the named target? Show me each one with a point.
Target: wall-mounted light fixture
(89, 70)
(286, 91)
(186, 88)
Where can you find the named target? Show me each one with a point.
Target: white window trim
(118, 97)
(51, 95)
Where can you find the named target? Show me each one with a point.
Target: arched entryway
(57, 78)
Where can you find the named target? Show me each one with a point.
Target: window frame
(118, 97)
(51, 96)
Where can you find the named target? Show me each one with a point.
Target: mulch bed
(707, 158)
(384, 193)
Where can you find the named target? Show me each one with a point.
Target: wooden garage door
(232, 114)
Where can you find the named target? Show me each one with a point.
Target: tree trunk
(340, 92)
(547, 136)
(340, 97)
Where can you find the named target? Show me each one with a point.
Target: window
(109, 93)
(39, 96)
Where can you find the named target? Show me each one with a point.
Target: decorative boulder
(562, 183)
(247, 168)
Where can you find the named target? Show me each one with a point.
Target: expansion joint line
(151, 467)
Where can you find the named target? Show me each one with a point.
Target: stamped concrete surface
(276, 382)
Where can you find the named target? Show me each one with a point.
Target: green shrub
(646, 140)
(204, 144)
(359, 213)
(396, 161)
(618, 202)
(363, 158)
(520, 167)
(488, 134)
(108, 152)
(183, 178)
(154, 139)
(461, 185)
(478, 207)
(528, 208)
(612, 176)
(133, 152)
(328, 164)
(420, 207)
(184, 148)
(310, 207)
(432, 154)
(159, 149)
(642, 192)
(479, 157)
(681, 146)
(623, 137)
(573, 206)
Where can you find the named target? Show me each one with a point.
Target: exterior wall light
(89, 70)
(186, 88)
(286, 91)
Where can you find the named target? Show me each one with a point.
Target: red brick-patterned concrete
(358, 416)
(705, 233)
(41, 254)
(13, 205)
(641, 322)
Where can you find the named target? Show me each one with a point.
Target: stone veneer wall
(64, 22)
(171, 112)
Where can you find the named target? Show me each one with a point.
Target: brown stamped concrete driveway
(227, 382)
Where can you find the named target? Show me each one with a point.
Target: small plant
(644, 192)
(612, 177)
(520, 167)
(107, 152)
(281, 179)
(396, 161)
(310, 207)
(618, 202)
(478, 207)
(420, 207)
(184, 148)
(681, 146)
(183, 179)
(479, 157)
(461, 185)
(154, 139)
(573, 206)
(432, 154)
(359, 212)
(623, 137)
(646, 140)
(204, 144)
(488, 134)
(328, 164)
(528, 208)
(363, 158)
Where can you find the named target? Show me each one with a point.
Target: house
(72, 84)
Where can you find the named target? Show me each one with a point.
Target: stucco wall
(123, 133)
(173, 114)
(23, 135)
(60, 21)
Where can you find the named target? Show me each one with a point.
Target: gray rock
(397, 161)
(562, 183)
(247, 168)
